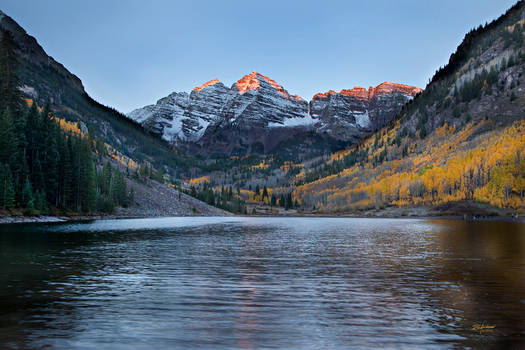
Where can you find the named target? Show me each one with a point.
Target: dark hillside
(43, 79)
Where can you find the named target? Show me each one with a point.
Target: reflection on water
(262, 283)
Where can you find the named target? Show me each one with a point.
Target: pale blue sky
(130, 53)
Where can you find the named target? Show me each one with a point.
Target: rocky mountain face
(351, 112)
(255, 101)
(256, 115)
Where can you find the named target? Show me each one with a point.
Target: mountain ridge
(257, 104)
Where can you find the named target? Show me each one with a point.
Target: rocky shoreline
(56, 219)
(4, 220)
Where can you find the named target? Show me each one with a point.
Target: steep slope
(43, 79)
(258, 116)
(257, 105)
(455, 148)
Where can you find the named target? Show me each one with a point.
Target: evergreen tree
(31, 137)
(159, 175)
(9, 94)
(68, 177)
(27, 195)
(52, 165)
(7, 187)
(87, 195)
(118, 191)
(105, 182)
(8, 142)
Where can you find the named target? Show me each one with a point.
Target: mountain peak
(206, 84)
(252, 82)
(357, 92)
(248, 82)
(361, 93)
(324, 94)
(387, 88)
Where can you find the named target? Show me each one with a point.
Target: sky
(131, 53)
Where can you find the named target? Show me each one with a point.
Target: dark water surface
(247, 283)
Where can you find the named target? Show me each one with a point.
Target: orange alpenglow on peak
(248, 83)
(388, 88)
(208, 83)
(324, 94)
(361, 93)
(358, 92)
(252, 81)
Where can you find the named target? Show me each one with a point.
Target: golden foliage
(120, 158)
(261, 165)
(199, 180)
(455, 166)
(69, 127)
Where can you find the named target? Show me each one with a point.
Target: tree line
(223, 198)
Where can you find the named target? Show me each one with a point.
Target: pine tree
(86, 185)
(159, 175)
(7, 187)
(107, 172)
(131, 196)
(8, 142)
(31, 136)
(27, 195)
(9, 93)
(52, 165)
(118, 191)
(67, 176)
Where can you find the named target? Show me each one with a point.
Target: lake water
(248, 283)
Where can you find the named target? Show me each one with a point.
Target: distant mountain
(256, 115)
(349, 113)
(44, 79)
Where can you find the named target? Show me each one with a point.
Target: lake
(250, 282)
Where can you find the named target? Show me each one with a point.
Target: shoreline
(7, 220)
(20, 219)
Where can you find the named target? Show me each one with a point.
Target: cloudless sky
(130, 53)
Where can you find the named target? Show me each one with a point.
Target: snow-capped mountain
(256, 114)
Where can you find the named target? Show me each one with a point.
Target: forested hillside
(43, 167)
(461, 140)
(45, 80)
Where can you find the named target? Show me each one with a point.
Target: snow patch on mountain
(362, 119)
